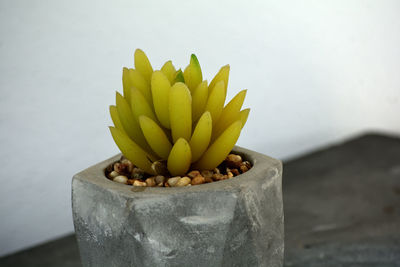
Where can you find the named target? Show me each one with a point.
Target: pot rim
(261, 163)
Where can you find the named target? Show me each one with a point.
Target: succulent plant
(175, 116)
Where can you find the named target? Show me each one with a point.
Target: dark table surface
(342, 208)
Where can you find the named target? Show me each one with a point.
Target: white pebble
(173, 181)
(121, 179)
(113, 174)
(183, 181)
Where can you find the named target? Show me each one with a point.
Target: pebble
(127, 165)
(216, 170)
(206, 174)
(118, 167)
(137, 173)
(139, 183)
(247, 163)
(230, 175)
(121, 179)
(160, 167)
(113, 174)
(198, 180)
(151, 181)
(159, 179)
(235, 172)
(217, 177)
(243, 168)
(233, 161)
(184, 181)
(193, 174)
(173, 181)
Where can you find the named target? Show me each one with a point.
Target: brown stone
(235, 172)
(150, 181)
(127, 165)
(193, 174)
(243, 168)
(233, 161)
(198, 180)
(206, 174)
(159, 179)
(217, 177)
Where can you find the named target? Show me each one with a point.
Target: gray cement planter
(235, 222)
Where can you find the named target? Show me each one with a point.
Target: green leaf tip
(194, 60)
(179, 76)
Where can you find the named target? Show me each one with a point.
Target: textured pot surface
(234, 222)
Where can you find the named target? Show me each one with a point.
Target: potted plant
(223, 204)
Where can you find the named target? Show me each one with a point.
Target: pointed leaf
(179, 158)
(131, 150)
(244, 114)
(201, 136)
(229, 114)
(140, 106)
(192, 73)
(218, 150)
(127, 83)
(169, 70)
(216, 100)
(115, 118)
(139, 82)
(199, 98)
(155, 137)
(222, 75)
(179, 77)
(142, 64)
(180, 111)
(160, 88)
(129, 123)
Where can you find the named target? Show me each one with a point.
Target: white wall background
(317, 72)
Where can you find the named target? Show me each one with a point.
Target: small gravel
(124, 172)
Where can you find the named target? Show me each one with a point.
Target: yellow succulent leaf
(180, 111)
(160, 87)
(229, 114)
(244, 114)
(139, 82)
(140, 106)
(127, 83)
(222, 75)
(179, 158)
(201, 136)
(130, 123)
(221, 147)
(169, 70)
(131, 150)
(216, 100)
(142, 64)
(199, 100)
(192, 73)
(155, 137)
(115, 118)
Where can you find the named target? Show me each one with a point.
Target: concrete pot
(234, 222)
